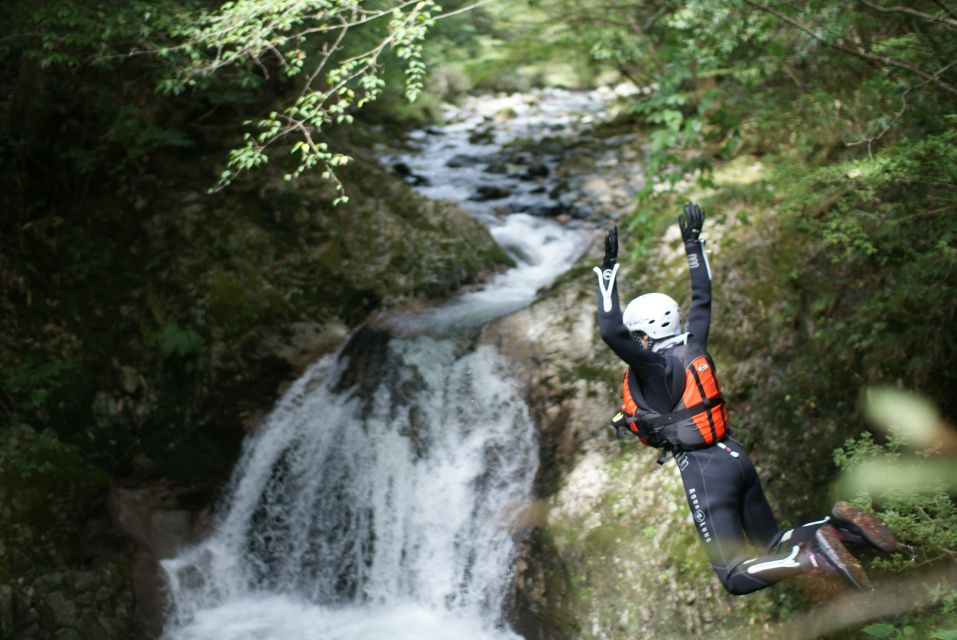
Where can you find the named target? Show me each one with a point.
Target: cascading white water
(362, 510)
(376, 500)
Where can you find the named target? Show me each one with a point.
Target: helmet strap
(665, 343)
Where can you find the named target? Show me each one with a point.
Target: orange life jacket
(699, 420)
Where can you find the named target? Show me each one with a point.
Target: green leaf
(880, 630)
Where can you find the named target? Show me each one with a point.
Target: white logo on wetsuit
(607, 274)
(681, 459)
(698, 514)
(702, 367)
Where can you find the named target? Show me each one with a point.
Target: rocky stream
(443, 470)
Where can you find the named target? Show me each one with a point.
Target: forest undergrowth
(819, 138)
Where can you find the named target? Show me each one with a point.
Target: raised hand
(611, 249)
(691, 222)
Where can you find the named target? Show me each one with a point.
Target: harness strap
(682, 414)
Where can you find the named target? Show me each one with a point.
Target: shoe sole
(865, 525)
(829, 543)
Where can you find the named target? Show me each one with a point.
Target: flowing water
(377, 499)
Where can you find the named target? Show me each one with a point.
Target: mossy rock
(69, 605)
(46, 490)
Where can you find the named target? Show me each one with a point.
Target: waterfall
(377, 499)
(359, 509)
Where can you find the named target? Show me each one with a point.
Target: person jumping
(672, 401)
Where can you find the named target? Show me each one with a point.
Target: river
(377, 499)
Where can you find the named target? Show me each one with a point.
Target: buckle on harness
(620, 422)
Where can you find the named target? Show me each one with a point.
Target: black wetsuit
(723, 490)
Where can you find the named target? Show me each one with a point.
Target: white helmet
(656, 314)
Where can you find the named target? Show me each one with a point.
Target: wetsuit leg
(759, 523)
(728, 507)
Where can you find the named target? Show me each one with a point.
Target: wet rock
(129, 380)
(150, 592)
(107, 409)
(490, 192)
(537, 170)
(463, 160)
(515, 170)
(482, 136)
(517, 207)
(550, 147)
(596, 184)
(546, 210)
(154, 518)
(305, 342)
(366, 353)
(404, 171)
(560, 188)
(579, 211)
(538, 209)
(80, 605)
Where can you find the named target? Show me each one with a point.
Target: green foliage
(820, 78)
(45, 491)
(36, 381)
(925, 520)
(76, 33)
(28, 454)
(896, 241)
(174, 340)
(885, 630)
(830, 278)
(312, 39)
(322, 59)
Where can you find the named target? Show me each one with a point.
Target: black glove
(691, 222)
(611, 250)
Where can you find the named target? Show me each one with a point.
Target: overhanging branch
(909, 11)
(879, 60)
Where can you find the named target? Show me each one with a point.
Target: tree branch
(873, 58)
(947, 10)
(912, 12)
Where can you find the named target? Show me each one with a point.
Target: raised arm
(613, 331)
(699, 318)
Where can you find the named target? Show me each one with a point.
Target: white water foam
(356, 512)
(542, 251)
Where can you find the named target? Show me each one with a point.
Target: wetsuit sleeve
(616, 335)
(699, 318)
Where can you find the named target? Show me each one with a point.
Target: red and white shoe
(856, 525)
(828, 554)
